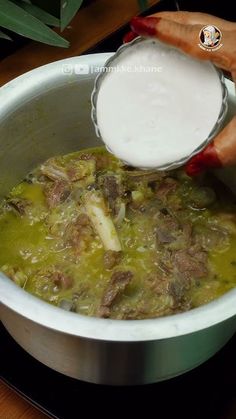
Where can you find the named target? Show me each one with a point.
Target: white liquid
(158, 106)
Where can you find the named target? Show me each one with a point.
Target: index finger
(196, 18)
(186, 38)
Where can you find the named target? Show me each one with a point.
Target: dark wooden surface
(12, 406)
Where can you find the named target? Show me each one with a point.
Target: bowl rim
(112, 61)
(12, 95)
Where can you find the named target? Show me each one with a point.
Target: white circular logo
(210, 38)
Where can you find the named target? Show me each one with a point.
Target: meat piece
(111, 187)
(104, 312)
(115, 288)
(144, 175)
(102, 161)
(52, 279)
(117, 285)
(171, 233)
(61, 280)
(164, 261)
(150, 307)
(83, 220)
(173, 288)
(187, 232)
(198, 253)
(166, 187)
(76, 169)
(56, 192)
(54, 170)
(111, 259)
(79, 169)
(189, 266)
(167, 229)
(113, 190)
(79, 234)
(18, 204)
(177, 289)
(158, 283)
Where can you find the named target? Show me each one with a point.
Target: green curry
(91, 235)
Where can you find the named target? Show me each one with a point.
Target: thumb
(182, 36)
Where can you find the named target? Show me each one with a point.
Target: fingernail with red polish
(211, 157)
(207, 158)
(145, 26)
(194, 167)
(130, 36)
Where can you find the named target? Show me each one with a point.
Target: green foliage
(33, 18)
(28, 19)
(39, 13)
(68, 10)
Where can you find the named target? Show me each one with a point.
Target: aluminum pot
(47, 112)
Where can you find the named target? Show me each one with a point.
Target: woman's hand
(181, 29)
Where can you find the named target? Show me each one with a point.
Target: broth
(91, 235)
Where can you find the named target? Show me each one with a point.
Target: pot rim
(12, 95)
(41, 312)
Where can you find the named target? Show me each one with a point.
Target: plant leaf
(5, 36)
(143, 5)
(40, 14)
(68, 10)
(18, 20)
